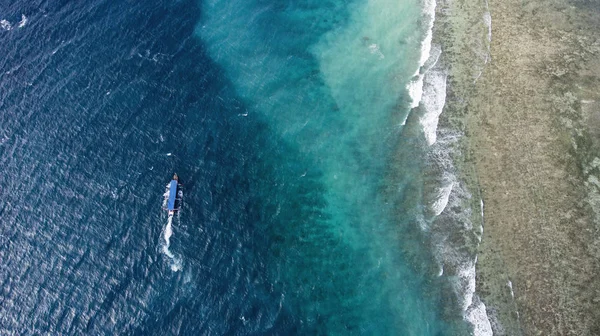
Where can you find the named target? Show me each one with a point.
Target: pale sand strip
(531, 148)
(532, 121)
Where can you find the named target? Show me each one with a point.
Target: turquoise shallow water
(330, 80)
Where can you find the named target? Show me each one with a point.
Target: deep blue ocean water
(283, 121)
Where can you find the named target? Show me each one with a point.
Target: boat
(173, 196)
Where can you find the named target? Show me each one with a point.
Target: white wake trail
(176, 262)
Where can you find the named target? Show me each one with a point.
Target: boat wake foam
(176, 262)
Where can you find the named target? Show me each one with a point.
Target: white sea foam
(176, 265)
(485, 54)
(476, 316)
(457, 264)
(441, 179)
(487, 20)
(168, 231)
(415, 86)
(481, 205)
(4, 24)
(453, 232)
(466, 274)
(429, 11)
(442, 198)
(433, 101)
(374, 49)
(480, 235)
(415, 90)
(512, 293)
(23, 21)
(474, 310)
(176, 262)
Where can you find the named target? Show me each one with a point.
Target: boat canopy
(172, 195)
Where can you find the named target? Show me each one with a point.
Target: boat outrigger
(173, 196)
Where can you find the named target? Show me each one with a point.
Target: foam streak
(176, 262)
(415, 87)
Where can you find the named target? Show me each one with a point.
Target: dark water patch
(89, 116)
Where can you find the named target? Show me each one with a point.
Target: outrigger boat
(173, 196)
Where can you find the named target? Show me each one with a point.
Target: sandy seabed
(528, 101)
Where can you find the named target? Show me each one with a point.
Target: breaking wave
(449, 215)
(415, 86)
(434, 97)
(4, 24)
(23, 21)
(455, 231)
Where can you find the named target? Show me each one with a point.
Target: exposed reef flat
(532, 120)
(530, 108)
